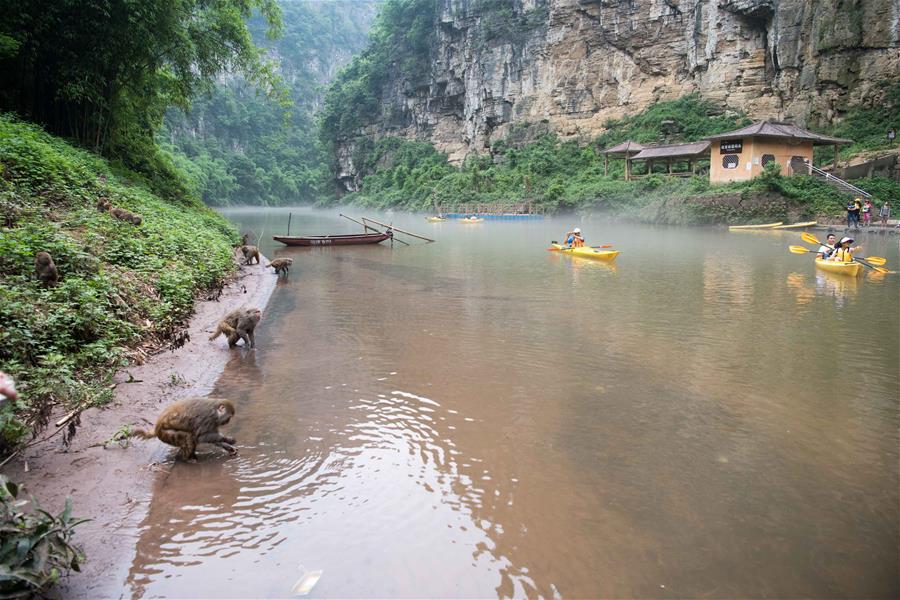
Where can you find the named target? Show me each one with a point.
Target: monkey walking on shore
(250, 252)
(239, 325)
(192, 421)
(46, 269)
(281, 265)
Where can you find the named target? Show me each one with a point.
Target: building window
(767, 158)
(798, 165)
(730, 161)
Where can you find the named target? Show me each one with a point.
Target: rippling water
(711, 417)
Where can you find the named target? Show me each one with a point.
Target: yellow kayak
(797, 225)
(851, 268)
(435, 219)
(471, 220)
(587, 252)
(766, 226)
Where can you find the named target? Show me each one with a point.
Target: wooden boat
(765, 226)
(797, 225)
(333, 240)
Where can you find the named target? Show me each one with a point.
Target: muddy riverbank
(113, 486)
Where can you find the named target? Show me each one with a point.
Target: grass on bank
(121, 286)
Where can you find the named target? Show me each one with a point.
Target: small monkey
(192, 421)
(245, 239)
(103, 204)
(281, 265)
(250, 252)
(46, 269)
(239, 325)
(135, 219)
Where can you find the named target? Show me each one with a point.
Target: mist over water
(478, 417)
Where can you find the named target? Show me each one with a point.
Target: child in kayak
(826, 249)
(843, 252)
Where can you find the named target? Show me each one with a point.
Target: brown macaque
(245, 239)
(281, 265)
(250, 252)
(103, 204)
(192, 421)
(124, 215)
(46, 269)
(239, 325)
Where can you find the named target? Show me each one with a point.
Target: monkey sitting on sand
(239, 325)
(281, 265)
(250, 252)
(192, 421)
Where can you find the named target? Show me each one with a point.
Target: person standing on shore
(885, 213)
(853, 208)
(867, 213)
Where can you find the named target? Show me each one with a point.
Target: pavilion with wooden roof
(624, 150)
(690, 153)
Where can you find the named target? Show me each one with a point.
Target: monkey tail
(144, 435)
(222, 328)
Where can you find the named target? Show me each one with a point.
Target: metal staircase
(837, 182)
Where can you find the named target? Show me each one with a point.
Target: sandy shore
(113, 486)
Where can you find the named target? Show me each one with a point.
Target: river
(478, 417)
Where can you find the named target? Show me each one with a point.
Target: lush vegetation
(867, 124)
(122, 287)
(533, 164)
(103, 72)
(400, 45)
(35, 546)
(241, 146)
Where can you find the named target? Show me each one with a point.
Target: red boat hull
(333, 240)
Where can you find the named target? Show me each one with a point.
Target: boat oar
(862, 261)
(372, 228)
(415, 235)
(875, 260)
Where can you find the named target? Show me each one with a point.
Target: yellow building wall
(750, 157)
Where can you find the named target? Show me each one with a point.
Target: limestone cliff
(572, 64)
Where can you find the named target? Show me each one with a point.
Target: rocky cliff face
(572, 64)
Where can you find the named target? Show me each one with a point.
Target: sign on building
(731, 146)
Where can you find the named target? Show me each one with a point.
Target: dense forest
(240, 146)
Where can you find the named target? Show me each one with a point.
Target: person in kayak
(574, 239)
(826, 249)
(843, 252)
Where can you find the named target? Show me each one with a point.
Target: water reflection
(480, 417)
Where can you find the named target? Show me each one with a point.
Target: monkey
(250, 252)
(46, 269)
(135, 219)
(239, 325)
(103, 204)
(245, 239)
(192, 421)
(125, 215)
(281, 265)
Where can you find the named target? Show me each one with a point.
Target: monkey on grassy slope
(45, 269)
(250, 252)
(239, 325)
(281, 265)
(192, 421)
